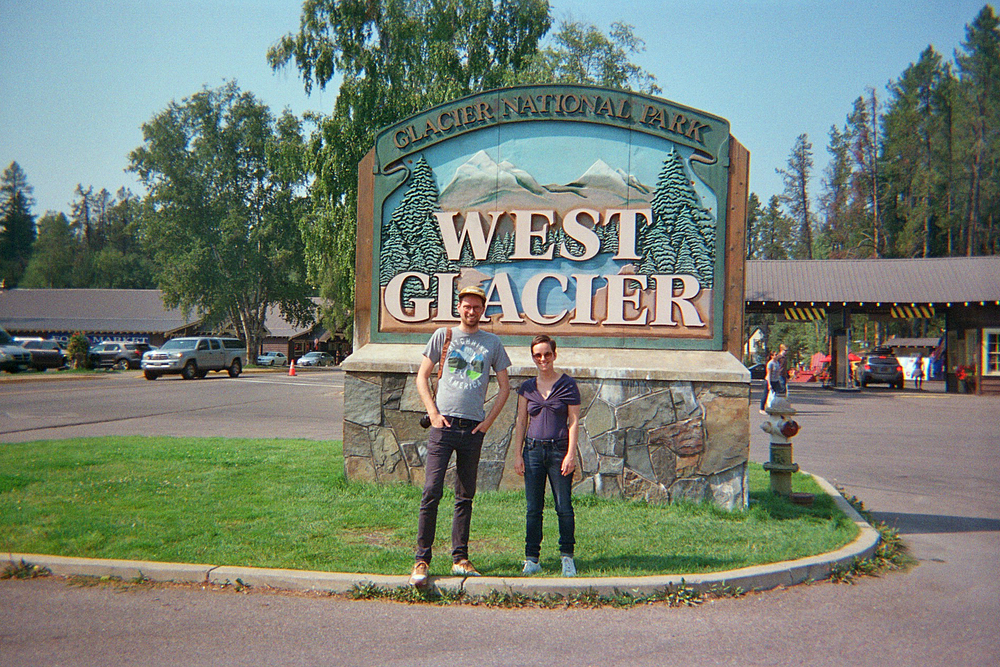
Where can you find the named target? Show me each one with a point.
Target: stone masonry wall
(653, 439)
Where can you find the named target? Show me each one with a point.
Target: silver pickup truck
(194, 356)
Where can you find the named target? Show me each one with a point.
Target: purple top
(547, 416)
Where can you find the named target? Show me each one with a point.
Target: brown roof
(278, 327)
(90, 310)
(936, 280)
(108, 311)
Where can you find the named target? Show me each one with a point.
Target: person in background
(767, 382)
(782, 377)
(918, 371)
(546, 432)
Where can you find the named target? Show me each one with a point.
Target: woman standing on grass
(548, 413)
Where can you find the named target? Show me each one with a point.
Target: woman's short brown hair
(542, 338)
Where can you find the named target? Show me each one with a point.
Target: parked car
(881, 367)
(758, 371)
(113, 354)
(45, 354)
(194, 356)
(272, 359)
(316, 359)
(13, 357)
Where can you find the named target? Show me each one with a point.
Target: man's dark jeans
(441, 443)
(543, 460)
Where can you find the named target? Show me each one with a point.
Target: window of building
(991, 351)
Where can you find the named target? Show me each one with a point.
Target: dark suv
(879, 366)
(13, 357)
(117, 355)
(45, 354)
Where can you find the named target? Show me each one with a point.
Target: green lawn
(286, 504)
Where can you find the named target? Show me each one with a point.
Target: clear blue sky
(78, 79)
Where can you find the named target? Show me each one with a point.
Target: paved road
(257, 404)
(925, 462)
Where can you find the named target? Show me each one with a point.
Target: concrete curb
(756, 578)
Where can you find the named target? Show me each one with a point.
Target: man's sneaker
(569, 567)
(464, 568)
(418, 578)
(531, 567)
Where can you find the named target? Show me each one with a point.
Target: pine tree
(608, 235)
(658, 252)
(776, 232)
(572, 245)
(53, 262)
(467, 259)
(17, 224)
(680, 224)
(393, 259)
(837, 239)
(796, 196)
(424, 234)
(411, 239)
(979, 75)
(501, 249)
(864, 125)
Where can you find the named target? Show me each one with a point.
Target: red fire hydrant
(782, 428)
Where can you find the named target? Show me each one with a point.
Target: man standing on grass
(458, 424)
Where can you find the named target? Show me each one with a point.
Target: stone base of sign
(656, 425)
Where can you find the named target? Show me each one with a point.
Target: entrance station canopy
(871, 284)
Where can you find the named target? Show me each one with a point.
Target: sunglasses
(543, 355)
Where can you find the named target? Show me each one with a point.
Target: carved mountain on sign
(483, 184)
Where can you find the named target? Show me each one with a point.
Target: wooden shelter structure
(965, 290)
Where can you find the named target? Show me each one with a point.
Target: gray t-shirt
(462, 389)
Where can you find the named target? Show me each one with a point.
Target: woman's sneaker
(464, 568)
(568, 566)
(418, 578)
(531, 567)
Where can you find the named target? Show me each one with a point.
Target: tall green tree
(122, 262)
(911, 130)
(223, 177)
(978, 66)
(863, 127)
(773, 233)
(581, 53)
(947, 162)
(796, 196)
(395, 57)
(17, 224)
(416, 53)
(838, 238)
(54, 260)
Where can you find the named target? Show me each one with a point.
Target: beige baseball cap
(474, 290)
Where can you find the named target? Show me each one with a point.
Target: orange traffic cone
(291, 369)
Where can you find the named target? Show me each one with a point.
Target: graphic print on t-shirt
(466, 361)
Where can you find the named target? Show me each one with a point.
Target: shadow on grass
(777, 507)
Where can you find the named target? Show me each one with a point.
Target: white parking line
(300, 383)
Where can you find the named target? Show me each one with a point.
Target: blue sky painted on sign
(79, 77)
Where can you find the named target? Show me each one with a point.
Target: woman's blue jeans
(542, 460)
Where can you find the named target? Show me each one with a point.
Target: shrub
(79, 350)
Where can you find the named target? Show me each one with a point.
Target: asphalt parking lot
(925, 462)
(265, 403)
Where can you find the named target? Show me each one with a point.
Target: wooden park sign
(606, 218)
